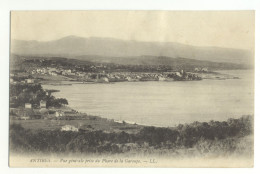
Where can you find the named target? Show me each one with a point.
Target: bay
(160, 103)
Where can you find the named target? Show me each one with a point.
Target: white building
(105, 79)
(29, 81)
(204, 69)
(42, 104)
(68, 71)
(69, 128)
(81, 74)
(28, 105)
(59, 113)
(162, 78)
(54, 73)
(197, 69)
(178, 74)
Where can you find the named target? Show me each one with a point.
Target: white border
(7, 5)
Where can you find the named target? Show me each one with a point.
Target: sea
(163, 103)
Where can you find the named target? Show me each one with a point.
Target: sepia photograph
(132, 88)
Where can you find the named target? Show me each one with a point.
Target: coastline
(91, 135)
(74, 96)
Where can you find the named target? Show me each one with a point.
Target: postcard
(131, 89)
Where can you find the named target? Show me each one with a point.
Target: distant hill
(18, 61)
(121, 51)
(185, 63)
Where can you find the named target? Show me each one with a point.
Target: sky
(230, 29)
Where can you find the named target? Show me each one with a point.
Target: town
(115, 76)
(100, 73)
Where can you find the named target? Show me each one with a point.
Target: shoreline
(120, 121)
(136, 122)
(214, 75)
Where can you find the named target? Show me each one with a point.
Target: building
(65, 72)
(72, 74)
(178, 74)
(42, 104)
(29, 81)
(129, 78)
(81, 74)
(48, 92)
(59, 113)
(103, 79)
(69, 128)
(161, 78)
(204, 69)
(24, 118)
(28, 105)
(196, 69)
(53, 73)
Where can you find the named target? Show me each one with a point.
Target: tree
(62, 101)
(53, 102)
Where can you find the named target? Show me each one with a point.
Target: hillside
(73, 46)
(163, 60)
(18, 61)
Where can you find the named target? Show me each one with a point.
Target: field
(85, 124)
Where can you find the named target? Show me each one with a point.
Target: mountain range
(122, 51)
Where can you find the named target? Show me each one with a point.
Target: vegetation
(53, 102)
(132, 64)
(205, 137)
(32, 93)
